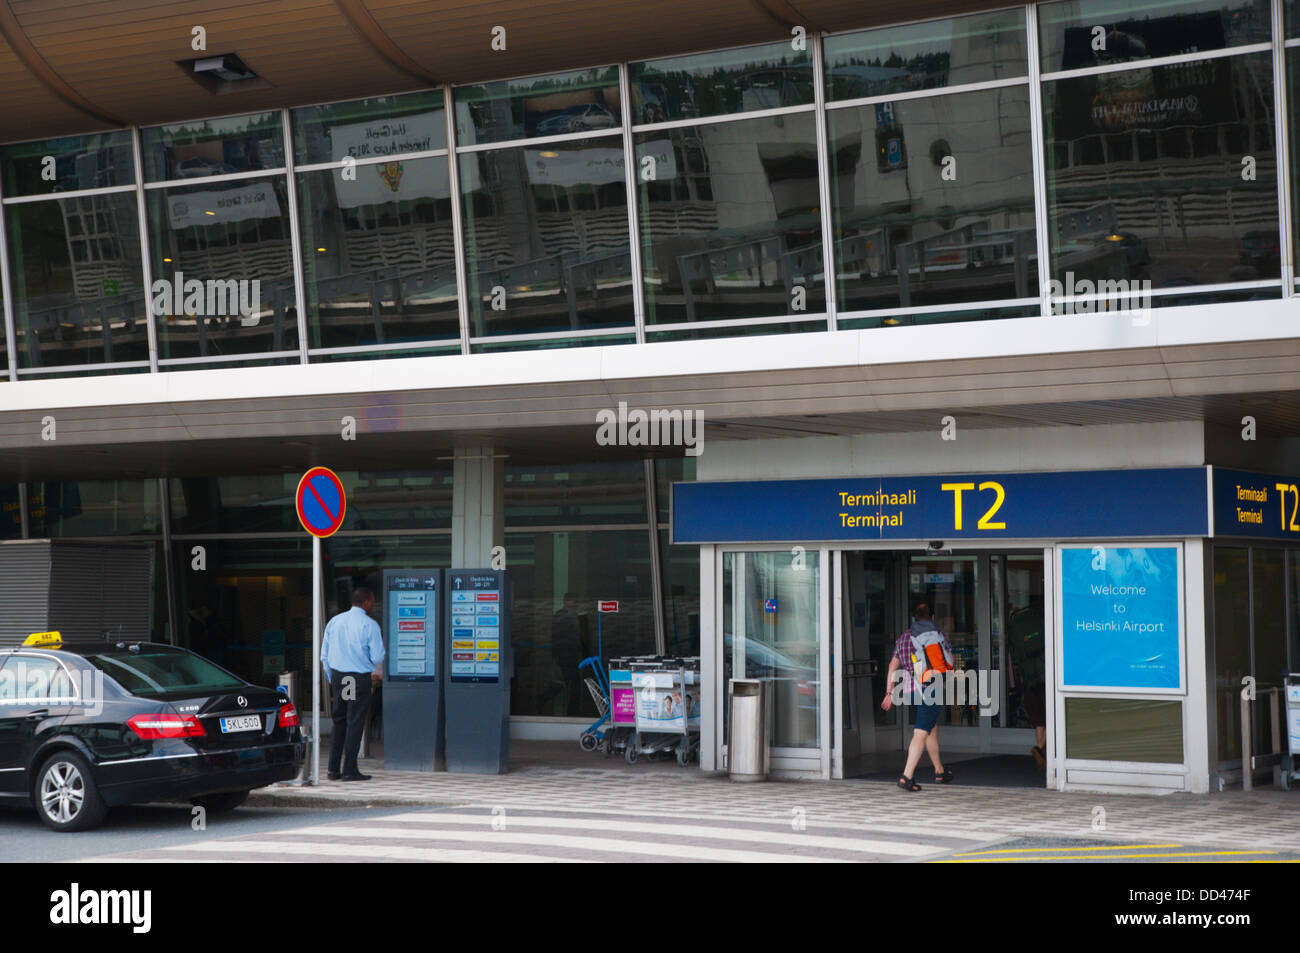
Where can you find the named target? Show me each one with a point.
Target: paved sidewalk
(1264, 819)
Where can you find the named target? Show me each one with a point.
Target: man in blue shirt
(351, 653)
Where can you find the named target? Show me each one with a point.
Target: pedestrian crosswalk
(537, 834)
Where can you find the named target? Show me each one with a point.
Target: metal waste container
(751, 713)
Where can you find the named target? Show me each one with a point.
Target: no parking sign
(321, 502)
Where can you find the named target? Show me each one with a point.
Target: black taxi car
(93, 725)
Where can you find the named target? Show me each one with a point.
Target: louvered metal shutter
(24, 589)
(101, 590)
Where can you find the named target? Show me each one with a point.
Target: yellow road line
(1048, 850)
(1208, 853)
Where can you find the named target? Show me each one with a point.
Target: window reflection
(192, 150)
(730, 221)
(546, 237)
(975, 49)
(727, 81)
(580, 101)
(65, 165)
(933, 200)
(75, 274)
(1165, 173)
(368, 128)
(379, 253)
(213, 245)
(1082, 33)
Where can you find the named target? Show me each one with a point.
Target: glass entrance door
(991, 608)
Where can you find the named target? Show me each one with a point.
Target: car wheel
(220, 803)
(67, 798)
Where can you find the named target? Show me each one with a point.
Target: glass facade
(547, 212)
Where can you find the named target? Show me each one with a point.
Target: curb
(319, 801)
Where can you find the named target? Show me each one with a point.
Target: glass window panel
(1293, 99)
(265, 503)
(725, 81)
(223, 254)
(1147, 175)
(94, 508)
(545, 344)
(667, 472)
(386, 355)
(552, 633)
(974, 49)
(191, 150)
(771, 607)
(367, 128)
(11, 515)
(546, 237)
(1269, 638)
(730, 223)
(886, 320)
(1112, 729)
(579, 101)
(1292, 607)
(681, 581)
(79, 162)
(933, 200)
(1292, 14)
(75, 274)
(379, 253)
(1231, 645)
(1082, 33)
(708, 332)
(250, 610)
(565, 494)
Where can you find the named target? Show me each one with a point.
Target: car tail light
(155, 726)
(288, 715)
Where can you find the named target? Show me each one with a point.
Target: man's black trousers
(350, 705)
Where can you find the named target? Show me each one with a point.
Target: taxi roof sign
(45, 639)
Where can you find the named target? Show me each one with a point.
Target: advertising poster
(1120, 618)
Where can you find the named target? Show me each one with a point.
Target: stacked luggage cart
(648, 705)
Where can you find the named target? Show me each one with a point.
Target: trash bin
(747, 748)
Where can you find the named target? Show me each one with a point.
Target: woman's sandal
(907, 784)
(945, 778)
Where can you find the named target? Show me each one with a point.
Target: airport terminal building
(769, 319)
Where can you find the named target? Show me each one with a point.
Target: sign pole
(316, 596)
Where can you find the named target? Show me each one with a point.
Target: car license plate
(241, 723)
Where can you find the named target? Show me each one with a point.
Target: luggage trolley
(667, 694)
(612, 693)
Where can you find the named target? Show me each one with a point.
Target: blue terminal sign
(1078, 504)
(1260, 505)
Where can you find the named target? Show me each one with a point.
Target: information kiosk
(479, 664)
(413, 703)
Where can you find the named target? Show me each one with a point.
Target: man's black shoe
(335, 775)
(356, 777)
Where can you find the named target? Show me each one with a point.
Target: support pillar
(477, 507)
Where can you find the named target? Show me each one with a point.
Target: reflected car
(87, 727)
(1261, 249)
(764, 661)
(578, 119)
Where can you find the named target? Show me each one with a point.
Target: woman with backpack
(921, 655)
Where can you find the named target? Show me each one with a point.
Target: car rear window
(158, 673)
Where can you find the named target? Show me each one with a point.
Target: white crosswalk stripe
(530, 833)
(788, 838)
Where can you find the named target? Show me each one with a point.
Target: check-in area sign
(321, 502)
